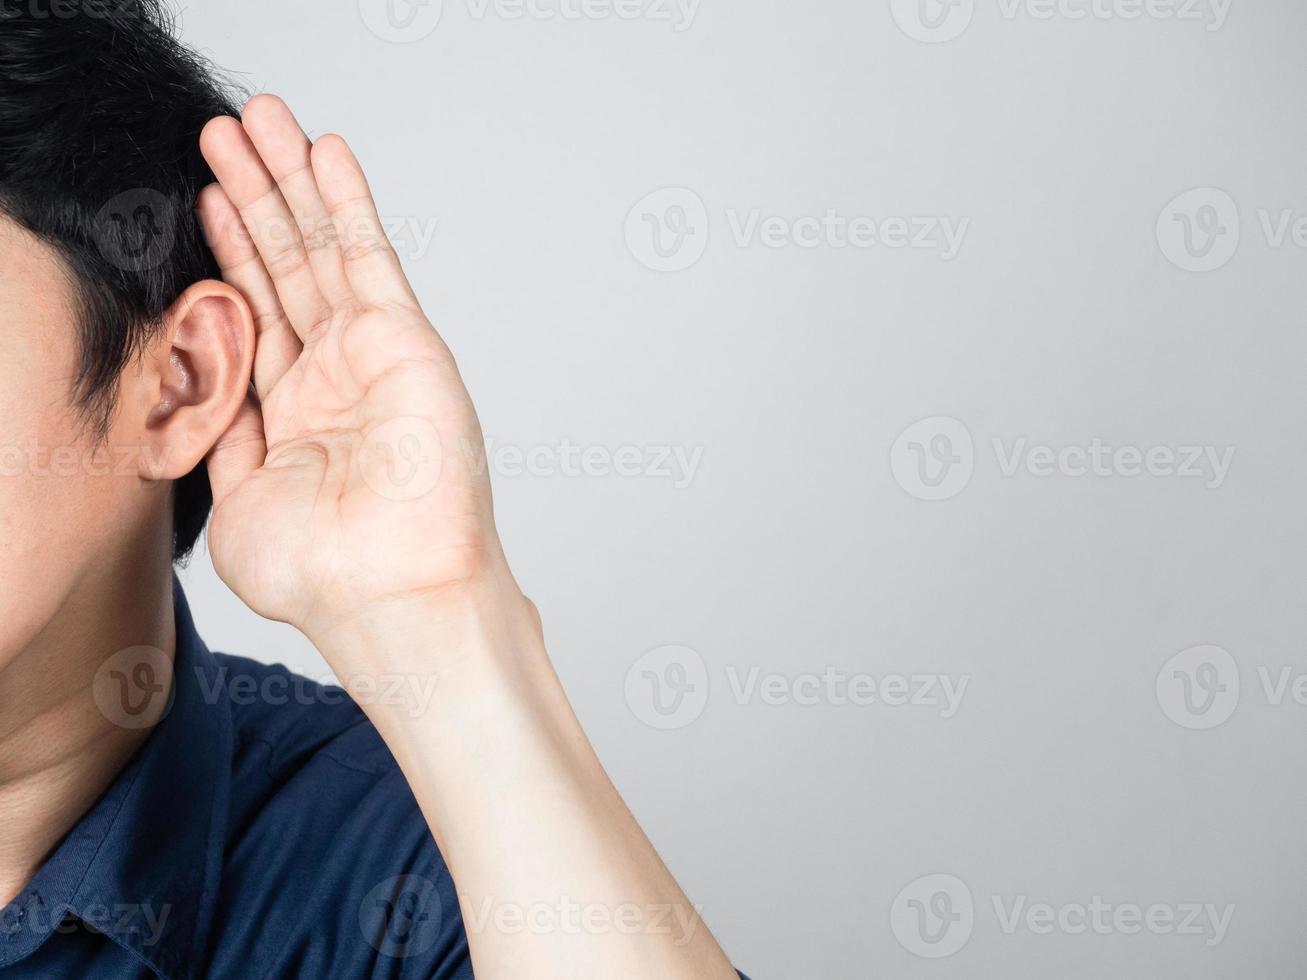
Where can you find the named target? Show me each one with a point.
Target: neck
(58, 750)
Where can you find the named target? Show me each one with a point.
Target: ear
(194, 378)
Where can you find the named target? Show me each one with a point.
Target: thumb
(239, 452)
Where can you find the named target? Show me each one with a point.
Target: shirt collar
(144, 864)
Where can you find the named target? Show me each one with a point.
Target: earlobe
(200, 369)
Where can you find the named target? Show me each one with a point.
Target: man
(193, 300)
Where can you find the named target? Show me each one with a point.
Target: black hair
(101, 108)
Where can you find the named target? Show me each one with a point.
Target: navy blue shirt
(262, 831)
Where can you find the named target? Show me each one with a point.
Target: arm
(351, 500)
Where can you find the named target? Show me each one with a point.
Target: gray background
(801, 546)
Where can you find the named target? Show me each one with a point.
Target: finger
(238, 167)
(284, 147)
(371, 264)
(240, 451)
(278, 347)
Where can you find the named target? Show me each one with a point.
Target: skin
(349, 503)
(84, 533)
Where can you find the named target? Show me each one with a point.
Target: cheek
(44, 481)
(68, 510)
(64, 501)
(39, 520)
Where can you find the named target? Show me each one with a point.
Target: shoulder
(289, 721)
(305, 755)
(323, 832)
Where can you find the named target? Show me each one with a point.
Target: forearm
(555, 877)
(316, 524)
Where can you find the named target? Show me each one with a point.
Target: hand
(351, 499)
(354, 474)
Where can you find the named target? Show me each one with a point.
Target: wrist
(468, 643)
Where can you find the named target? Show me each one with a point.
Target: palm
(355, 472)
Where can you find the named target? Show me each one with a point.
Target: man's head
(121, 354)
